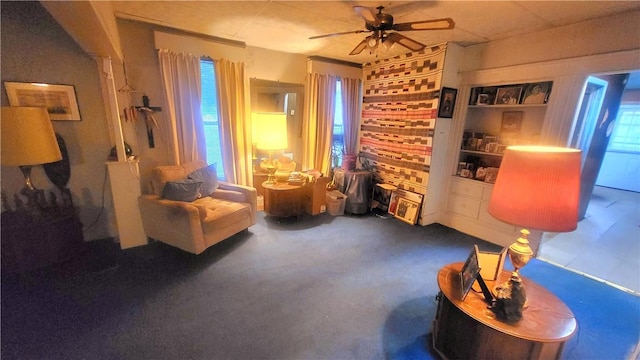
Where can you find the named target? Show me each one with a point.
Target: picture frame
(469, 273)
(393, 202)
(491, 263)
(508, 95)
(407, 210)
(491, 174)
(382, 193)
(484, 99)
(511, 122)
(60, 100)
(397, 194)
(447, 102)
(537, 93)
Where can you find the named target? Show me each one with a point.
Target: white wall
(621, 170)
(600, 36)
(139, 42)
(36, 49)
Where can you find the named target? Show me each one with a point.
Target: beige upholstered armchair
(191, 210)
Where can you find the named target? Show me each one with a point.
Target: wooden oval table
(282, 199)
(470, 330)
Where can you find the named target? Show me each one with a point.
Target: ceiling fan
(379, 25)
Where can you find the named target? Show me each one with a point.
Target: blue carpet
(314, 288)
(608, 318)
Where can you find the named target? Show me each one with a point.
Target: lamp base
(271, 178)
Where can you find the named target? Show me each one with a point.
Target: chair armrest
(238, 193)
(174, 222)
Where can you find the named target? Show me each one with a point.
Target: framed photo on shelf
(407, 211)
(447, 102)
(484, 99)
(60, 100)
(537, 93)
(508, 95)
(511, 122)
(490, 175)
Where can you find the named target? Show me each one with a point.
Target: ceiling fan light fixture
(380, 23)
(372, 42)
(387, 43)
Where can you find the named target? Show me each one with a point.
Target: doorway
(606, 245)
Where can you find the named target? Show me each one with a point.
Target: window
(626, 132)
(209, 109)
(338, 129)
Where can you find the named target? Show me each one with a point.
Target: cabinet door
(467, 188)
(464, 205)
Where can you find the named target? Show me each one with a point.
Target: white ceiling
(287, 25)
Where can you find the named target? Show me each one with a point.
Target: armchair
(194, 226)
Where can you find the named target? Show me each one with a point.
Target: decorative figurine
(510, 300)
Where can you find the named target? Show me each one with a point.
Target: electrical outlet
(323, 208)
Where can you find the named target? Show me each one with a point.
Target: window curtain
(181, 84)
(235, 125)
(318, 123)
(351, 110)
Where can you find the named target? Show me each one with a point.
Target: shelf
(481, 153)
(489, 106)
(473, 180)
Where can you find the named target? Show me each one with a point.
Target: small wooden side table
(282, 199)
(469, 330)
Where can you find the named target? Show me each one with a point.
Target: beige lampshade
(271, 131)
(28, 137)
(538, 188)
(254, 128)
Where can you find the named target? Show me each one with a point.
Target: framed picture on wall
(407, 211)
(447, 102)
(60, 100)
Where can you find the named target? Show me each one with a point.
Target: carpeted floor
(347, 287)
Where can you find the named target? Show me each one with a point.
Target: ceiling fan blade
(337, 34)
(367, 14)
(405, 41)
(363, 45)
(436, 24)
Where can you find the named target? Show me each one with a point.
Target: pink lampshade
(538, 188)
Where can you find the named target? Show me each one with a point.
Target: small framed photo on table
(469, 273)
(60, 100)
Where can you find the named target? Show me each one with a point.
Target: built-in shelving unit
(496, 117)
(481, 134)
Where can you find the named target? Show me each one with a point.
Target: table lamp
(28, 139)
(272, 135)
(537, 188)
